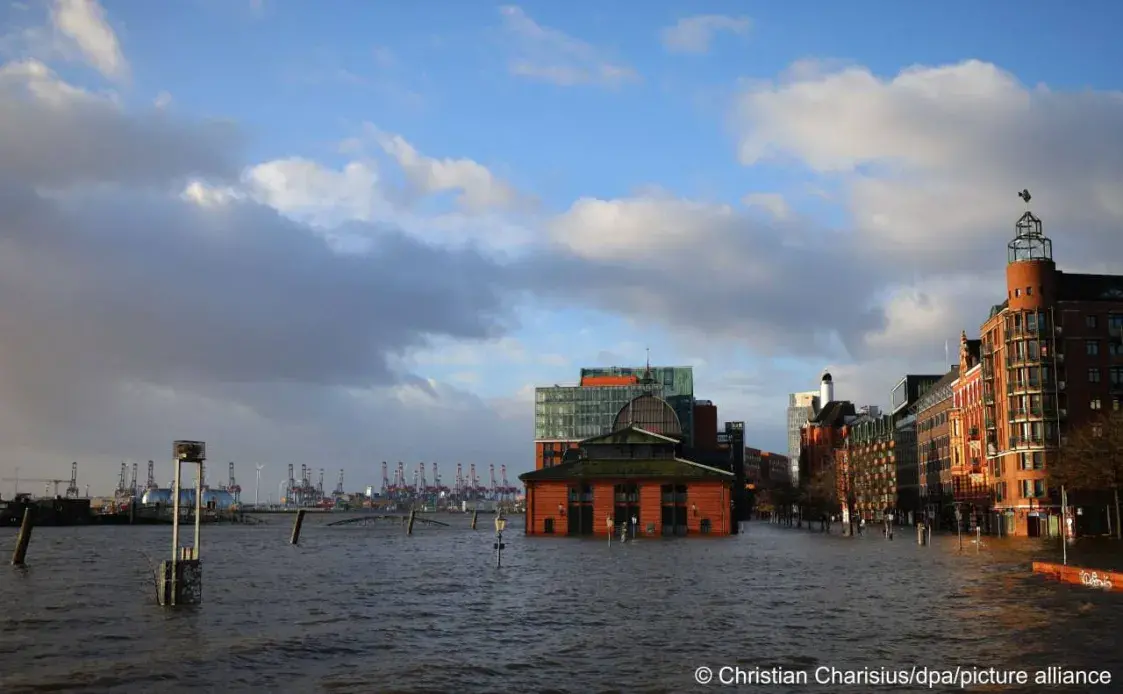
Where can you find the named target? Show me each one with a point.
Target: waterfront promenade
(361, 609)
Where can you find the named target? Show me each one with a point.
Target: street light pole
(959, 525)
(1064, 526)
(500, 525)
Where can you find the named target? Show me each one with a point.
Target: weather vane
(1024, 195)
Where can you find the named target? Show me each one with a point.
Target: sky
(364, 235)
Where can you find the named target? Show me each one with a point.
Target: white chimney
(826, 390)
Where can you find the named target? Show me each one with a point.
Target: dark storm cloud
(124, 313)
(54, 136)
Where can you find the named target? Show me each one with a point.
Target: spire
(648, 379)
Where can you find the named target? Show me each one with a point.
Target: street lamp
(959, 524)
(500, 526)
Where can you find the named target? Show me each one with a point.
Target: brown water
(367, 609)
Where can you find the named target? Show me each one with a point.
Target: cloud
(478, 188)
(549, 55)
(89, 142)
(84, 22)
(713, 270)
(694, 34)
(773, 203)
(930, 160)
(145, 297)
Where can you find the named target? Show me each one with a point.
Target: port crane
(37, 480)
(72, 483)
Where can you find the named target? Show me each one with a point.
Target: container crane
(232, 485)
(45, 482)
(72, 491)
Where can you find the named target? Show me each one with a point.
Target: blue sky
(792, 188)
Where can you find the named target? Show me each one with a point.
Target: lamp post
(1064, 526)
(500, 526)
(959, 525)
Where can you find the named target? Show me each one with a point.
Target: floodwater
(368, 609)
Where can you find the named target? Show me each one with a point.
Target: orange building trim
(589, 381)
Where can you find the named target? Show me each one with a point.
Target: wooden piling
(475, 515)
(24, 537)
(412, 518)
(296, 527)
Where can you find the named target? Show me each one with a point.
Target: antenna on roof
(648, 380)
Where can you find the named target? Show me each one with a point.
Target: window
(1097, 430)
(1092, 347)
(1038, 460)
(548, 526)
(1116, 374)
(1017, 292)
(1096, 404)
(1033, 489)
(1090, 322)
(1029, 291)
(1093, 375)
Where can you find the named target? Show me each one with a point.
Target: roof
(651, 413)
(938, 392)
(833, 413)
(629, 435)
(1075, 287)
(662, 468)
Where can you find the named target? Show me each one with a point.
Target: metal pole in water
(978, 538)
(175, 513)
(1064, 524)
(198, 511)
(24, 537)
(296, 524)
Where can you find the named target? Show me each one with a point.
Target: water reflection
(360, 609)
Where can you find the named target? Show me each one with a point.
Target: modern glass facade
(801, 407)
(573, 413)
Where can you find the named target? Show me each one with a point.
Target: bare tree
(822, 490)
(1092, 460)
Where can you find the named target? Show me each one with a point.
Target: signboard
(723, 438)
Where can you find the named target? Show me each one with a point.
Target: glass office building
(576, 412)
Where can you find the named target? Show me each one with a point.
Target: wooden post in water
(475, 515)
(412, 517)
(24, 537)
(296, 526)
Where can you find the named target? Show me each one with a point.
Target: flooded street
(368, 609)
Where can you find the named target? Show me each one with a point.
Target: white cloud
(162, 100)
(695, 34)
(309, 192)
(84, 22)
(479, 188)
(931, 160)
(550, 55)
(773, 203)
